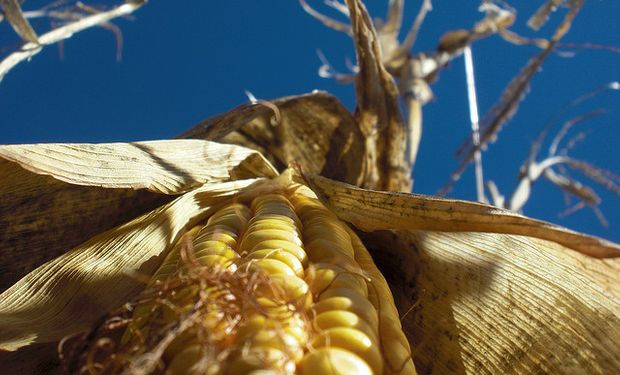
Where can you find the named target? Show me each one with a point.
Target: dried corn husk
(375, 210)
(67, 294)
(52, 194)
(455, 281)
(314, 130)
(489, 302)
(46, 183)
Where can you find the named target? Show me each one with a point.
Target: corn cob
(283, 287)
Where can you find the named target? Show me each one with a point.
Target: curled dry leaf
(315, 130)
(52, 194)
(41, 217)
(484, 303)
(538, 19)
(377, 112)
(377, 210)
(13, 12)
(28, 50)
(166, 167)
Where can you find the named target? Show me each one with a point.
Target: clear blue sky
(185, 61)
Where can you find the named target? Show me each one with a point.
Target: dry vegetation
(479, 287)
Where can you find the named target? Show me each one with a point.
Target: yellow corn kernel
(283, 256)
(291, 324)
(323, 250)
(251, 239)
(290, 247)
(333, 361)
(273, 199)
(348, 300)
(341, 318)
(273, 223)
(269, 266)
(326, 275)
(258, 360)
(214, 248)
(354, 341)
(284, 288)
(221, 236)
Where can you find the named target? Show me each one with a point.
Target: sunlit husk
(61, 195)
(485, 302)
(67, 294)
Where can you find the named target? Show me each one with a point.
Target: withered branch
(415, 73)
(512, 96)
(85, 17)
(555, 167)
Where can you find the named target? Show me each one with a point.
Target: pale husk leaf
(67, 294)
(52, 195)
(167, 167)
(495, 304)
(489, 303)
(42, 217)
(374, 210)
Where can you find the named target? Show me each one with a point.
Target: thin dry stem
(61, 33)
(325, 20)
(512, 96)
(473, 117)
(412, 35)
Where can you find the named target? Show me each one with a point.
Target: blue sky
(184, 63)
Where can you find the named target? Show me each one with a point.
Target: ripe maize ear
(269, 285)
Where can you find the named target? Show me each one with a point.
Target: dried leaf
(315, 131)
(389, 31)
(541, 16)
(512, 96)
(67, 294)
(41, 217)
(13, 12)
(374, 210)
(59, 34)
(601, 176)
(497, 303)
(377, 112)
(167, 167)
(63, 204)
